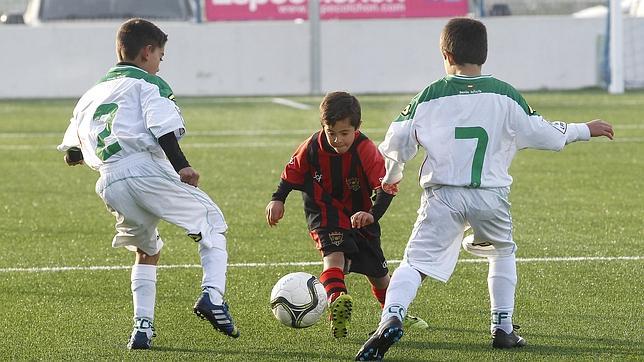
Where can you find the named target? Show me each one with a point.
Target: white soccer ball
(298, 300)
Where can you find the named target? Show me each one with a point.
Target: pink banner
(218, 10)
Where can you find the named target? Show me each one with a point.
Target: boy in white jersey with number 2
(470, 126)
(127, 128)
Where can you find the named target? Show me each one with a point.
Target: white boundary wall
(272, 58)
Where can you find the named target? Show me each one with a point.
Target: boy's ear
(449, 57)
(146, 51)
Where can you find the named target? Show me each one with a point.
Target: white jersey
(470, 128)
(124, 114)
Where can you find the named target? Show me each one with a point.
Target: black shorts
(360, 246)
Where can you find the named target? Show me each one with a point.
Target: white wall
(529, 52)
(272, 58)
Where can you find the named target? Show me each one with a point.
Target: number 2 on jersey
(104, 150)
(480, 134)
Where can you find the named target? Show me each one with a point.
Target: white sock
(144, 289)
(502, 281)
(401, 292)
(214, 262)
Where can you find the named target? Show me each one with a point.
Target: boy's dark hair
(134, 35)
(337, 106)
(466, 40)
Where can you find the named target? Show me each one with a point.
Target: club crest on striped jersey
(405, 112)
(560, 126)
(353, 183)
(336, 237)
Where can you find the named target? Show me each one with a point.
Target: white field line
(248, 144)
(258, 132)
(290, 103)
(309, 263)
(231, 132)
(185, 145)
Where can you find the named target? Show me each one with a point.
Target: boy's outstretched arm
(599, 128)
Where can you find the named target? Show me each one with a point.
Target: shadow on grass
(536, 344)
(436, 343)
(259, 355)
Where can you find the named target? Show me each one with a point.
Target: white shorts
(141, 190)
(445, 214)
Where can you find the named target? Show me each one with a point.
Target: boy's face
(341, 135)
(152, 57)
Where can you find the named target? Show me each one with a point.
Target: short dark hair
(466, 40)
(337, 106)
(136, 34)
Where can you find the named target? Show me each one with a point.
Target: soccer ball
(298, 300)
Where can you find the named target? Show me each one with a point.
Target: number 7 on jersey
(480, 135)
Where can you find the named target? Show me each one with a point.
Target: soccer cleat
(142, 334)
(378, 344)
(218, 315)
(340, 315)
(414, 322)
(500, 339)
(411, 322)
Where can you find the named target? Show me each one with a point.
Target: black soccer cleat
(378, 344)
(500, 339)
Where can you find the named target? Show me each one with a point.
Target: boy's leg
(379, 291)
(143, 283)
(192, 209)
(502, 281)
(489, 216)
(401, 292)
(332, 277)
(340, 302)
(211, 305)
(214, 262)
(379, 288)
(432, 249)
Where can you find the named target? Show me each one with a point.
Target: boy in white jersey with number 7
(470, 126)
(127, 128)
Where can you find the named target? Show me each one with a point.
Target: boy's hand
(391, 189)
(274, 212)
(189, 175)
(73, 157)
(361, 219)
(598, 128)
(71, 162)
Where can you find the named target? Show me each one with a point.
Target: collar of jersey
(121, 65)
(466, 77)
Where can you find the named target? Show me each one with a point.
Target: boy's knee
(143, 258)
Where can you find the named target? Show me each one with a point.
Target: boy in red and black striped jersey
(338, 170)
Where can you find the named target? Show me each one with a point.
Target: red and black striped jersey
(334, 186)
